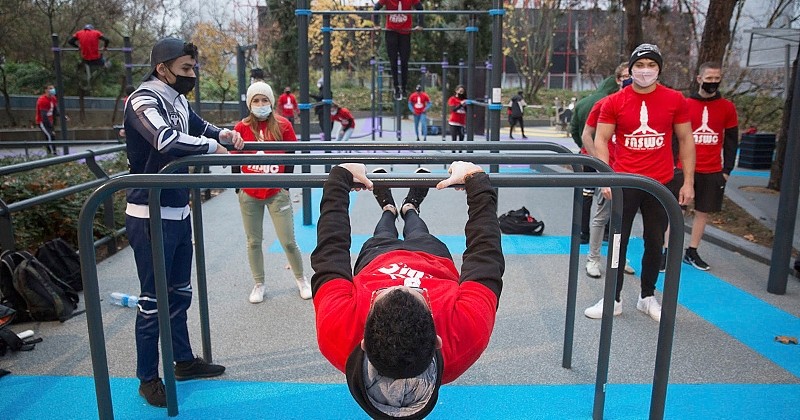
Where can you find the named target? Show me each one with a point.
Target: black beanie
(650, 51)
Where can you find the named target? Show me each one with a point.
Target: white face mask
(334, 111)
(261, 112)
(645, 77)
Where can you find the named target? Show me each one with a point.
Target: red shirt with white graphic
(287, 134)
(345, 118)
(644, 125)
(466, 311)
(419, 101)
(400, 22)
(457, 116)
(288, 105)
(46, 103)
(89, 43)
(591, 121)
(710, 119)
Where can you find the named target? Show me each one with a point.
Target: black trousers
(385, 239)
(654, 221)
(399, 46)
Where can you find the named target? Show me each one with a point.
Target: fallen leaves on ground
(785, 339)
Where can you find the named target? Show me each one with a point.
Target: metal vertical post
(444, 95)
(128, 54)
(327, 97)
(471, 30)
(372, 96)
(62, 106)
(495, 94)
(303, 14)
(240, 75)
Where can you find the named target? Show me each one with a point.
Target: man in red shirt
(288, 104)
(715, 128)
(46, 111)
(643, 118)
(403, 321)
(398, 39)
(419, 102)
(88, 41)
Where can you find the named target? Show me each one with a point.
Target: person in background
(46, 111)
(160, 127)
(643, 119)
(87, 41)
(345, 118)
(458, 113)
(404, 321)
(419, 103)
(264, 125)
(257, 75)
(398, 39)
(715, 128)
(287, 103)
(516, 109)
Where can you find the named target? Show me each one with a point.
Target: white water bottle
(122, 299)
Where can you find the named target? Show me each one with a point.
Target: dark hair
(257, 73)
(708, 65)
(399, 337)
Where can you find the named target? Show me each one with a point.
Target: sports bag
(520, 222)
(63, 261)
(8, 339)
(45, 296)
(9, 297)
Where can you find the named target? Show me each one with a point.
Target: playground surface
(726, 363)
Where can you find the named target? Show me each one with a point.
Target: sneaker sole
(697, 266)
(594, 277)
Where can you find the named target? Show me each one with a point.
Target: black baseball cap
(168, 49)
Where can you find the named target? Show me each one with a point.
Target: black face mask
(627, 82)
(709, 87)
(183, 84)
(461, 95)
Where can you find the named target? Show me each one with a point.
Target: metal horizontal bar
(396, 12)
(406, 146)
(52, 195)
(18, 144)
(384, 29)
(43, 163)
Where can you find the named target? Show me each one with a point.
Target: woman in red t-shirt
(398, 39)
(264, 125)
(458, 113)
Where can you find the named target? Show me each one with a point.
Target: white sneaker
(650, 306)
(304, 286)
(596, 311)
(628, 268)
(257, 295)
(593, 269)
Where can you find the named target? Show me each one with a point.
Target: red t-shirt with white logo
(287, 104)
(591, 121)
(287, 134)
(419, 101)
(345, 118)
(644, 125)
(710, 119)
(89, 43)
(399, 22)
(48, 104)
(459, 116)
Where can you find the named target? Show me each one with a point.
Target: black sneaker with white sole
(383, 195)
(693, 258)
(417, 194)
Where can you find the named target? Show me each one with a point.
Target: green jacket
(584, 106)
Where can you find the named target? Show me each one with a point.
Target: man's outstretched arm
(331, 258)
(483, 259)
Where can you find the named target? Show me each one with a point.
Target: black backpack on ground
(8, 339)
(9, 297)
(45, 296)
(63, 261)
(520, 222)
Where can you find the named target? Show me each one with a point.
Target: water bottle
(122, 299)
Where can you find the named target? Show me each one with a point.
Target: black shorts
(708, 190)
(675, 185)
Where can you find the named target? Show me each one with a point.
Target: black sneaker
(382, 194)
(691, 257)
(153, 391)
(197, 368)
(398, 94)
(417, 194)
(663, 267)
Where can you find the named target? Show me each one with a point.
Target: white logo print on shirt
(402, 271)
(644, 137)
(398, 18)
(704, 134)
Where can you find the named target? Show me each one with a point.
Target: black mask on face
(709, 87)
(461, 95)
(627, 82)
(182, 84)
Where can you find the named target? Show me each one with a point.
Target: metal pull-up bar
(156, 183)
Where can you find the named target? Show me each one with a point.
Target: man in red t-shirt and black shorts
(715, 128)
(87, 41)
(643, 118)
(404, 321)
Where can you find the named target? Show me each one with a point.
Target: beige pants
(280, 210)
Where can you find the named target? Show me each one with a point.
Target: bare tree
(716, 34)
(633, 24)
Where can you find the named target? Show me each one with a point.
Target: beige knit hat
(260, 88)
